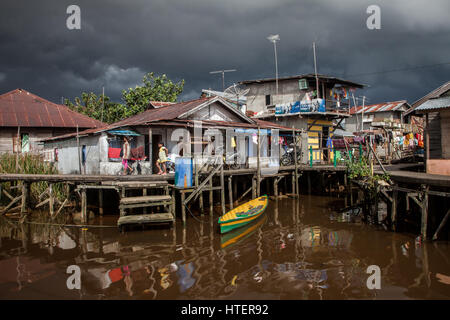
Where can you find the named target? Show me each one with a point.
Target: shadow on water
(309, 248)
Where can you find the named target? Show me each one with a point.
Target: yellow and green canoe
(243, 214)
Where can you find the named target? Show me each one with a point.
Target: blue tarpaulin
(123, 133)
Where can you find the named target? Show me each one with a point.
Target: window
(25, 142)
(268, 100)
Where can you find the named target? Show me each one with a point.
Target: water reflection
(297, 250)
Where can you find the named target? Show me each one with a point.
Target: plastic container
(183, 172)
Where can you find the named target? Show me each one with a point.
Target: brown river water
(300, 249)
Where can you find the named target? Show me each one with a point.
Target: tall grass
(29, 163)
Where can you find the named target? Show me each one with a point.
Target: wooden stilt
(230, 191)
(394, 208)
(222, 191)
(51, 202)
(275, 187)
(60, 208)
(83, 205)
(441, 225)
(309, 182)
(100, 201)
(122, 195)
(424, 224)
(295, 161)
(25, 197)
(235, 188)
(258, 164)
(293, 183)
(211, 197)
(254, 187)
(183, 209)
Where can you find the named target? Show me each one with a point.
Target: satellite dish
(238, 94)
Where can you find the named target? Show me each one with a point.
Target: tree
(154, 88)
(92, 105)
(136, 100)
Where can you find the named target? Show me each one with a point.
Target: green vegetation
(360, 170)
(29, 164)
(153, 88)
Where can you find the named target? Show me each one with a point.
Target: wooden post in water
(275, 187)
(25, 197)
(293, 183)
(51, 202)
(183, 208)
(83, 205)
(230, 191)
(394, 207)
(295, 161)
(211, 197)
(222, 191)
(424, 224)
(100, 201)
(258, 164)
(254, 187)
(309, 182)
(122, 195)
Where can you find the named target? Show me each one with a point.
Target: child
(162, 158)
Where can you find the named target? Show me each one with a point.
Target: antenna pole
(362, 114)
(223, 76)
(276, 65)
(103, 102)
(315, 69)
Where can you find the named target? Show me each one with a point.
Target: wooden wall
(8, 137)
(434, 130)
(445, 129)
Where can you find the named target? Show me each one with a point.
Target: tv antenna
(223, 75)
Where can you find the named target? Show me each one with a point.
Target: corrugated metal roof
(433, 104)
(22, 108)
(311, 76)
(169, 115)
(382, 107)
(436, 93)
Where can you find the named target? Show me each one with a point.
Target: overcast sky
(120, 41)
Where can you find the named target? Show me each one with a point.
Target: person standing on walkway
(126, 155)
(162, 158)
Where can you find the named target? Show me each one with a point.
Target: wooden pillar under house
(183, 208)
(222, 191)
(258, 163)
(83, 206)
(424, 224)
(230, 191)
(150, 149)
(100, 202)
(51, 202)
(25, 196)
(394, 207)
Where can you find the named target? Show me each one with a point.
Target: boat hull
(240, 221)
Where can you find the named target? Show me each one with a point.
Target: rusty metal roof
(171, 116)
(400, 106)
(22, 108)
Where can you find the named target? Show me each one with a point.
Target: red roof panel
(22, 108)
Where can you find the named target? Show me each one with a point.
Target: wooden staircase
(128, 203)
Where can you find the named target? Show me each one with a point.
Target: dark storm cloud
(119, 41)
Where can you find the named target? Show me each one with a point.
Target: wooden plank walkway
(145, 199)
(412, 177)
(140, 219)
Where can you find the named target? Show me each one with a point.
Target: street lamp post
(274, 38)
